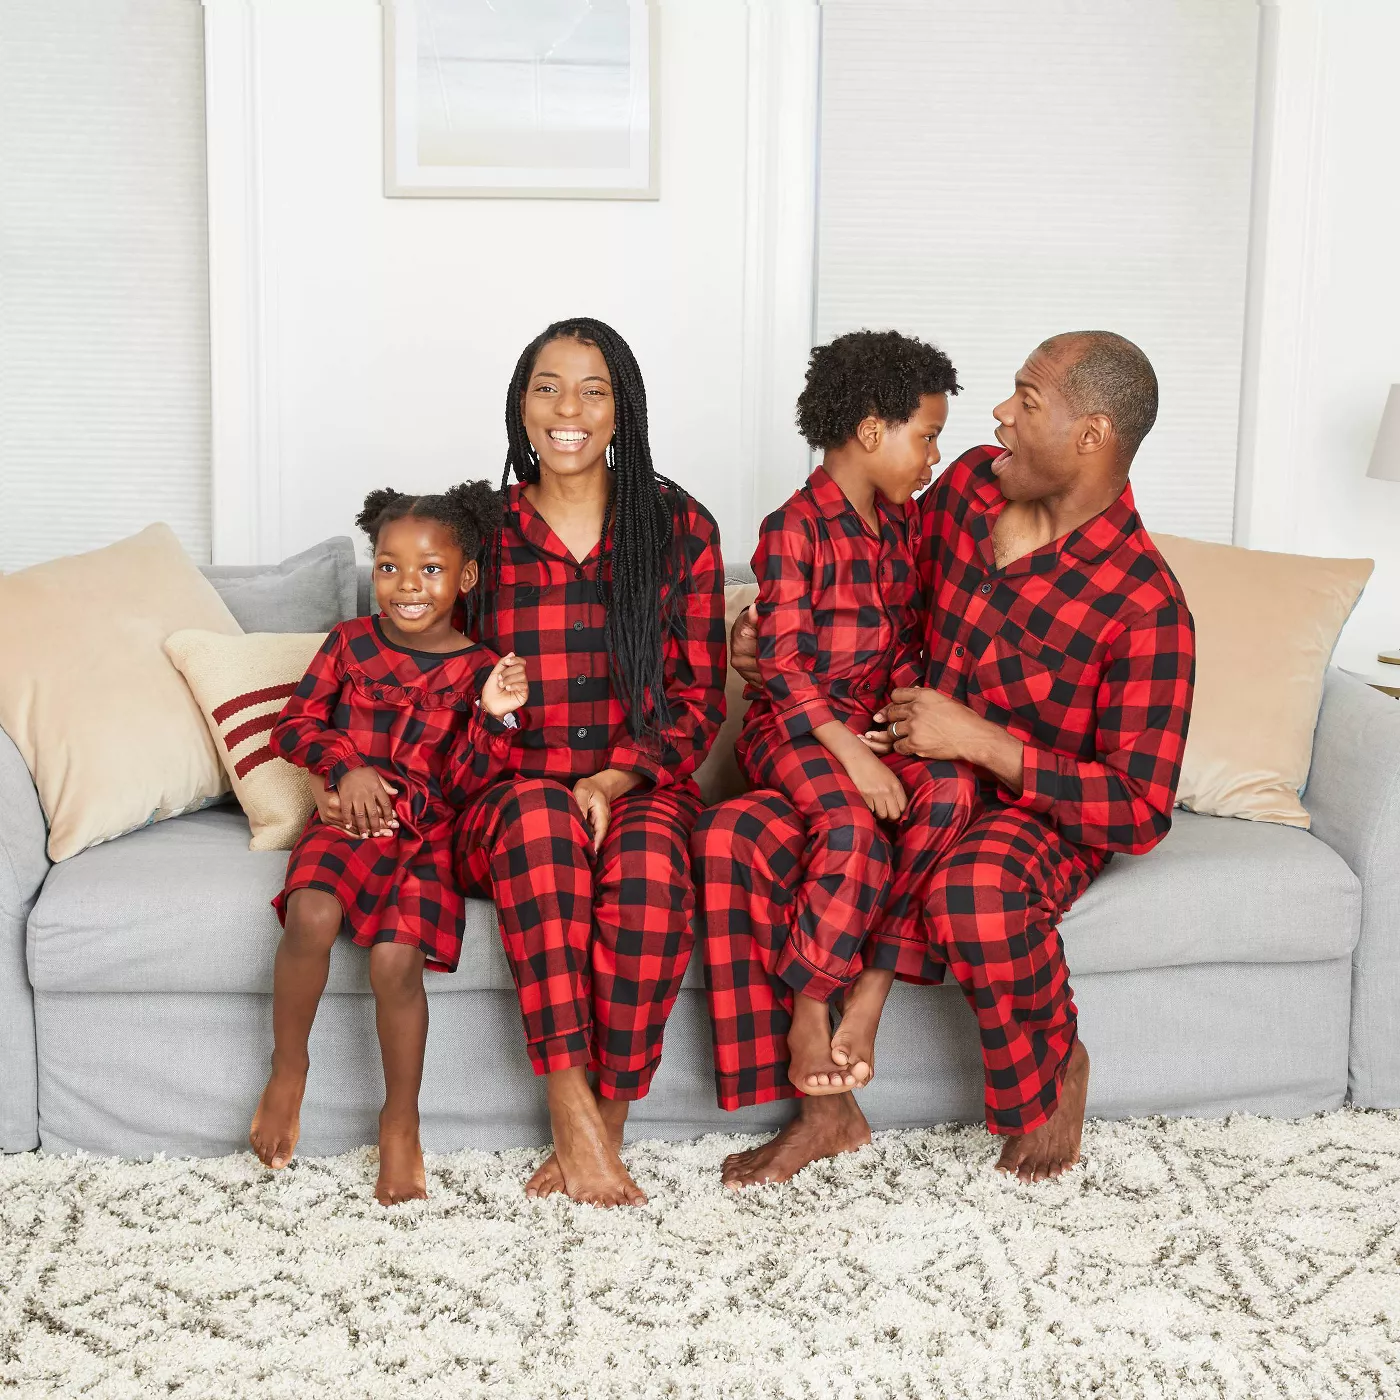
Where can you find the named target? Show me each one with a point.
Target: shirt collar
(535, 528)
(829, 497)
(1092, 542)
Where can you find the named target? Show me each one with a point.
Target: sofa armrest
(1353, 797)
(24, 863)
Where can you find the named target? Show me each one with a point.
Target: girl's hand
(883, 793)
(506, 688)
(597, 810)
(366, 803)
(328, 806)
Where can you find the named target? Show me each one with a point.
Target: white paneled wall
(104, 344)
(994, 173)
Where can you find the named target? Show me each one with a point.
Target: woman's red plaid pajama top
(1084, 650)
(838, 629)
(597, 944)
(415, 717)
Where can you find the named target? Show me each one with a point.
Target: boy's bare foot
(277, 1118)
(810, 1066)
(823, 1127)
(853, 1044)
(549, 1179)
(589, 1162)
(401, 1174)
(1052, 1148)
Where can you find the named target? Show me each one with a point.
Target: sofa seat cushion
(184, 906)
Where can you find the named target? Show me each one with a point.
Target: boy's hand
(883, 793)
(365, 802)
(506, 688)
(743, 645)
(328, 806)
(878, 741)
(597, 810)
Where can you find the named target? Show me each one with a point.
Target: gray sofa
(1237, 967)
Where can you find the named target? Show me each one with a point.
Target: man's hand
(929, 724)
(743, 645)
(330, 811)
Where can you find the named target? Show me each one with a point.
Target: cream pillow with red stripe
(241, 684)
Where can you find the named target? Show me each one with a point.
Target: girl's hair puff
(472, 510)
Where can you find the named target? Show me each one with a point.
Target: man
(1059, 657)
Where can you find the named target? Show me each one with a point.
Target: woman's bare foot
(823, 1127)
(853, 1044)
(401, 1174)
(549, 1179)
(1053, 1148)
(810, 1066)
(277, 1118)
(587, 1158)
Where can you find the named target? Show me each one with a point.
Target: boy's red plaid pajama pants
(990, 909)
(597, 944)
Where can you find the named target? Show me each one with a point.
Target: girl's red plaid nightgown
(416, 717)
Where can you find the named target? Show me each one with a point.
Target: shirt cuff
(1040, 781)
(346, 764)
(795, 720)
(631, 759)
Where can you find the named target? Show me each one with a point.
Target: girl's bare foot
(401, 1174)
(277, 1119)
(823, 1127)
(853, 1044)
(1053, 1148)
(588, 1161)
(810, 1065)
(549, 1179)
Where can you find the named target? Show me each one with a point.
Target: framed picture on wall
(522, 99)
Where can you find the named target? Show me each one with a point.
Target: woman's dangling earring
(612, 458)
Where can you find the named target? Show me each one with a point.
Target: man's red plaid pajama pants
(991, 905)
(855, 874)
(597, 944)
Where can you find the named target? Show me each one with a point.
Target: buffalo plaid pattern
(549, 610)
(837, 613)
(1085, 651)
(597, 944)
(416, 718)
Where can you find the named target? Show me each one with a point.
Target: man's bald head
(1100, 372)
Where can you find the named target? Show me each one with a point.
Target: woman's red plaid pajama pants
(990, 911)
(597, 944)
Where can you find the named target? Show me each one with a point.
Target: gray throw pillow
(310, 592)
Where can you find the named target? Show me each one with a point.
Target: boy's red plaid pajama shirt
(414, 717)
(597, 944)
(838, 630)
(1083, 650)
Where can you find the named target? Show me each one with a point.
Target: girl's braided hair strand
(649, 564)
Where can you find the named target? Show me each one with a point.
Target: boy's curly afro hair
(868, 373)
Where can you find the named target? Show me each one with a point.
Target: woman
(606, 580)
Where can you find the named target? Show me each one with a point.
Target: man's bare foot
(1053, 1148)
(549, 1179)
(810, 1066)
(853, 1044)
(401, 1174)
(587, 1158)
(824, 1127)
(277, 1118)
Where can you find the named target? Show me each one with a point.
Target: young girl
(407, 720)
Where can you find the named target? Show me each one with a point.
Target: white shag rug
(1247, 1258)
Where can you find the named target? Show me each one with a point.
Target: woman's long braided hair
(649, 565)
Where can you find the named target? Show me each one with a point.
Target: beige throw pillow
(108, 728)
(241, 684)
(1266, 626)
(719, 777)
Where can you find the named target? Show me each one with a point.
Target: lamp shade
(1385, 455)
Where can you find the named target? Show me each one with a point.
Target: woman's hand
(883, 793)
(328, 806)
(366, 804)
(596, 808)
(506, 688)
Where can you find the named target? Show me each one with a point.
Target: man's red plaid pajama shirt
(597, 944)
(1084, 650)
(838, 629)
(414, 717)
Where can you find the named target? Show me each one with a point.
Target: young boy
(837, 632)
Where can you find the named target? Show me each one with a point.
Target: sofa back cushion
(310, 592)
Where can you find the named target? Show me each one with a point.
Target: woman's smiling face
(568, 407)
